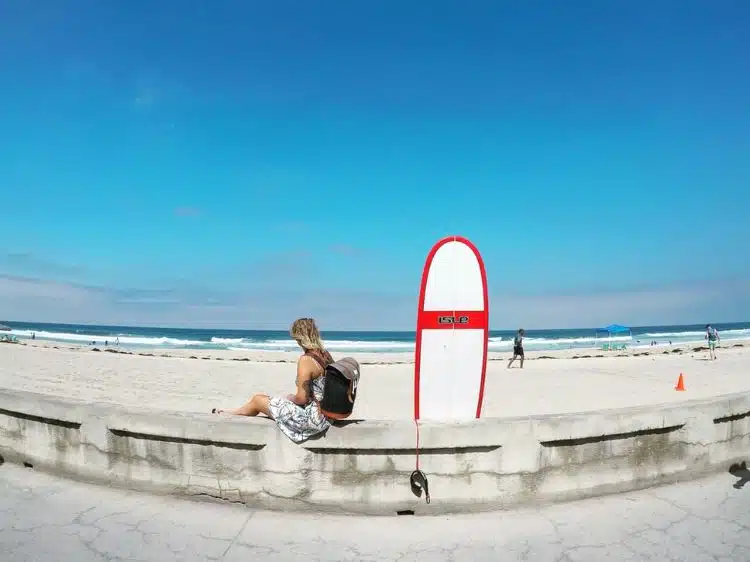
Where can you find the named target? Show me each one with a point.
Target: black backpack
(340, 389)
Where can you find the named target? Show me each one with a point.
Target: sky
(239, 163)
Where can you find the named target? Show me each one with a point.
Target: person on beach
(713, 338)
(517, 348)
(297, 415)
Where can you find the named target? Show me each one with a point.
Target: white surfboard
(452, 333)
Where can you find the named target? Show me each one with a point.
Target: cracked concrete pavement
(47, 519)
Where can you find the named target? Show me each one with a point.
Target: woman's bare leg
(258, 404)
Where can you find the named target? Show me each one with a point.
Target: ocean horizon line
(714, 323)
(385, 341)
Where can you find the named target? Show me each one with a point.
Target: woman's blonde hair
(306, 333)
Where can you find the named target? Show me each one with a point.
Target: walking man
(713, 338)
(517, 348)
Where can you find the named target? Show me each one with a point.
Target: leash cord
(416, 422)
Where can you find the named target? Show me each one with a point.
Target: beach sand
(187, 381)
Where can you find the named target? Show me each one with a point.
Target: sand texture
(226, 379)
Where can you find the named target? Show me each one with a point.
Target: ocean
(347, 341)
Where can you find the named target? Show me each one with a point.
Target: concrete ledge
(364, 466)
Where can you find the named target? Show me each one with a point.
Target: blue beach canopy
(615, 329)
(612, 330)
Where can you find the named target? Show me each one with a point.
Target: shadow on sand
(740, 471)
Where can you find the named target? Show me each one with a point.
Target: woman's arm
(304, 377)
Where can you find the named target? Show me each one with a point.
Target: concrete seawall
(364, 466)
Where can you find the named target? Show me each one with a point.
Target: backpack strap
(322, 358)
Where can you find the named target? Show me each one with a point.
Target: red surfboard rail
(429, 319)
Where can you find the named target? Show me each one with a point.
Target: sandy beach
(556, 383)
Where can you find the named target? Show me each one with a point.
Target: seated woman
(297, 415)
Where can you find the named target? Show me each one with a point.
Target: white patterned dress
(300, 422)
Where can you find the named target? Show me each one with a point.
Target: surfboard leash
(418, 480)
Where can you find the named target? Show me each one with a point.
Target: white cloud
(146, 96)
(654, 307)
(187, 211)
(17, 289)
(50, 301)
(28, 263)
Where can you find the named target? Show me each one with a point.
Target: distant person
(713, 338)
(297, 415)
(517, 347)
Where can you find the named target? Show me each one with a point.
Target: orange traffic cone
(680, 383)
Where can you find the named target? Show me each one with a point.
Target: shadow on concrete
(740, 471)
(334, 423)
(344, 423)
(317, 436)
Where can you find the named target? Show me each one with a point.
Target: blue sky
(240, 163)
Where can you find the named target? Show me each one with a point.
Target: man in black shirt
(517, 348)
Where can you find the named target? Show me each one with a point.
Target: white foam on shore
(341, 345)
(88, 338)
(495, 343)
